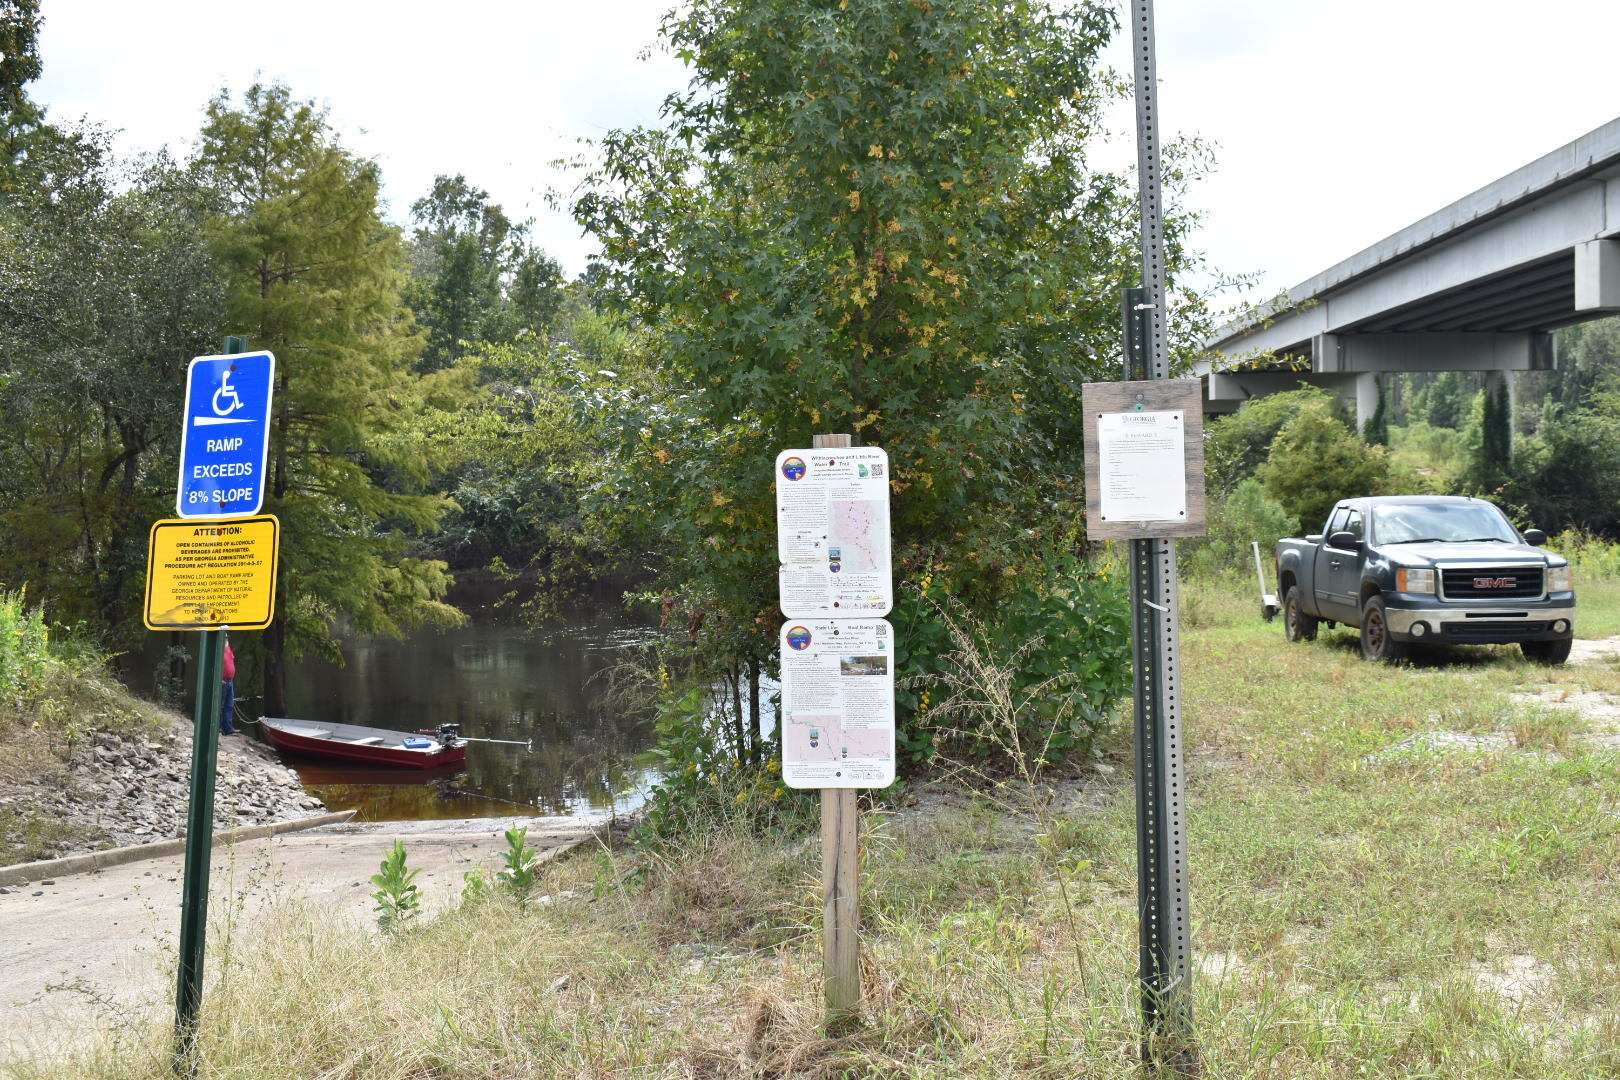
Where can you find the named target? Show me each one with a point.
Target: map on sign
(832, 513)
(205, 575)
(860, 534)
(837, 711)
(225, 435)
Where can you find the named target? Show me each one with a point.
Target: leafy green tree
(876, 218)
(1568, 475)
(1317, 460)
(1237, 445)
(1490, 441)
(1587, 353)
(535, 294)
(1442, 399)
(109, 289)
(22, 124)
(1376, 429)
(531, 445)
(315, 275)
(475, 276)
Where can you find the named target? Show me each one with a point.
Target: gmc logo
(1495, 582)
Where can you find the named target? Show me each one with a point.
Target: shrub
(1037, 682)
(398, 897)
(1316, 461)
(1425, 459)
(1058, 639)
(521, 866)
(1246, 516)
(704, 788)
(1593, 557)
(25, 649)
(1569, 475)
(1237, 445)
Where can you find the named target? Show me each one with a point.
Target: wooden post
(840, 904)
(840, 896)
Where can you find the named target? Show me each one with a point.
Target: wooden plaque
(1143, 492)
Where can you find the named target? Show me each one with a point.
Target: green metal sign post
(199, 833)
(199, 843)
(1169, 1041)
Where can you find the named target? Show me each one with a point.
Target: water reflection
(499, 682)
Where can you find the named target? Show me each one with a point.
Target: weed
(1546, 728)
(474, 887)
(398, 897)
(521, 866)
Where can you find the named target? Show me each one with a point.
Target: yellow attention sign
(207, 574)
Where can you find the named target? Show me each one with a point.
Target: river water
(498, 681)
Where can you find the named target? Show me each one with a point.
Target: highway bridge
(1477, 286)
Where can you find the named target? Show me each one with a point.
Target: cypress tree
(315, 275)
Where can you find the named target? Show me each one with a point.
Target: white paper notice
(1142, 466)
(837, 703)
(832, 532)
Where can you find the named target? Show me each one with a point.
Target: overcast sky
(1335, 123)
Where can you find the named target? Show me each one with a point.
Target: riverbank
(1395, 871)
(122, 776)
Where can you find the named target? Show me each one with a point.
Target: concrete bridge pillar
(1366, 398)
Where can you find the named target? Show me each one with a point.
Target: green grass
(1368, 902)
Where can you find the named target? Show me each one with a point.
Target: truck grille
(1492, 583)
(1516, 629)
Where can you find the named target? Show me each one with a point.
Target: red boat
(378, 746)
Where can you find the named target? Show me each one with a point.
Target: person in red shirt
(227, 692)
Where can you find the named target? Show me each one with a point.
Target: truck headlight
(1414, 581)
(1558, 579)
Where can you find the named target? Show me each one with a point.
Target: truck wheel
(1376, 641)
(1546, 652)
(1296, 624)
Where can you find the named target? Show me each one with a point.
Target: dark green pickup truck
(1414, 570)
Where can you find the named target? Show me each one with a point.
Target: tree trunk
(739, 736)
(275, 635)
(754, 740)
(275, 669)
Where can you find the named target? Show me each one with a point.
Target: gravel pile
(134, 789)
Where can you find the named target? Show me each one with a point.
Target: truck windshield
(1410, 523)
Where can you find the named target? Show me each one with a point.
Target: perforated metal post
(1166, 932)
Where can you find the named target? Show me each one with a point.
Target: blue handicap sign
(225, 440)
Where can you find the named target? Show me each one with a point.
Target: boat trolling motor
(450, 735)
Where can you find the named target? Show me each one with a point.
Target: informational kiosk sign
(832, 519)
(207, 575)
(225, 435)
(1144, 450)
(838, 703)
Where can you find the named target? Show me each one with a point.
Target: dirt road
(76, 949)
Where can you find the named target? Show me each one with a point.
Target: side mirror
(1535, 537)
(1345, 539)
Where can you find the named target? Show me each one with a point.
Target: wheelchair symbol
(226, 390)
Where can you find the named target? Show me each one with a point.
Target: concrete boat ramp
(87, 936)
